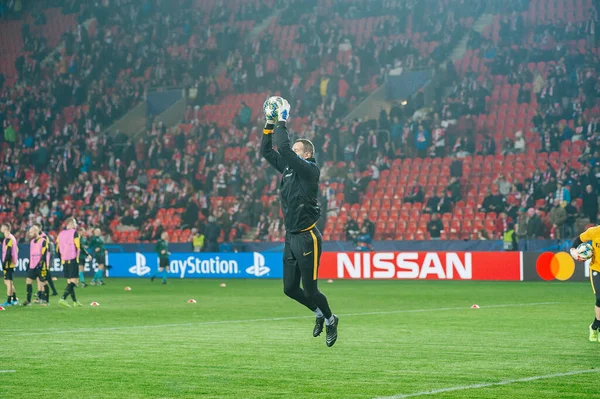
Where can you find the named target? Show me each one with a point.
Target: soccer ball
(585, 250)
(271, 106)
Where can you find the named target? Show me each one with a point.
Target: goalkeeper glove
(283, 112)
(270, 113)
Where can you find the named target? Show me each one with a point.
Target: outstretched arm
(267, 151)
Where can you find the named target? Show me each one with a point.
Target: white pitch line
(204, 323)
(8, 371)
(490, 384)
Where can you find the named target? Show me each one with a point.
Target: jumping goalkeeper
(298, 189)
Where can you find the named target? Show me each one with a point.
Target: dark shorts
(71, 268)
(163, 262)
(100, 259)
(81, 262)
(8, 274)
(38, 272)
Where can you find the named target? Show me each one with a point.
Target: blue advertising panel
(199, 265)
(181, 265)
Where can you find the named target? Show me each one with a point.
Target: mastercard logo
(550, 266)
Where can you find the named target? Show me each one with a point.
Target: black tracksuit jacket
(299, 186)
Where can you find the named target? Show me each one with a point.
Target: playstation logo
(140, 267)
(258, 269)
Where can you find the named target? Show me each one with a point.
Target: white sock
(330, 321)
(318, 312)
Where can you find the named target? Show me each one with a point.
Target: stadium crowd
(53, 118)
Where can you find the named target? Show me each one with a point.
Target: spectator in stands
(262, 229)
(369, 225)
(276, 230)
(361, 154)
(572, 213)
(422, 141)
(589, 206)
(382, 160)
(363, 241)
(502, 224)
(558, 217)
(504, 186)
(372, 142)
(435, 227)
(509, 238)
(190, 215)
(508, 146)
(490, 203)
(373, 171)
(197, 240)
(133, 219)
(351, 229)
(524, 94)
(432, 204)
(519, 144)
(439, 140)
(396, 132)
(511, 209)
(446, 203)
(212, 233)
(461, 148)
(237, 232)
(588, 178)
(455, 189)
(488, 146)
(10, 135)
(590, 29)
(562, 193)
(349, 152)
(415, 195)
(482, 235)
(351, 193)
(245, 116)
(158, 229)
(535, 225)
(521, 225)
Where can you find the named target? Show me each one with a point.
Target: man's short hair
(308, 146)
(38, 225)
(7, 225)
(70, 220)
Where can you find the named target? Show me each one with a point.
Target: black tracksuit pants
(301, 256)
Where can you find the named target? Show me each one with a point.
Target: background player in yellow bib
(592, 234)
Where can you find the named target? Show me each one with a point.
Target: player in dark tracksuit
(299, 189)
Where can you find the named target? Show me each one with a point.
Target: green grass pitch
(396, 339)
